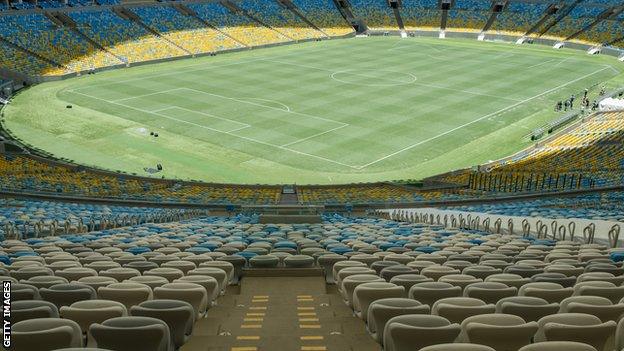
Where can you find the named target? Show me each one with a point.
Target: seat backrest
(132, 334)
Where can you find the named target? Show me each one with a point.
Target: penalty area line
(221, 131)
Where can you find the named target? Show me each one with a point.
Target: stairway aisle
(284, 314)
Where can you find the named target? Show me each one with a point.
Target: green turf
(349, 110)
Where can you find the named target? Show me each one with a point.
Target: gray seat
(264, 261)
(526, 307)
(43, 281)
(30, 309)
(66, 294)
(367, 293)
(457, 347)
(408, 280)
(43, 334)
(382, 310)
(490, 292)
(578, 327)
(299, 261)
(20, 291)
(558, 346)
(132, 334)
(179, 316)
(429, 292)
(88, 312)
(456, 309)
(503, 332)
(413, 332)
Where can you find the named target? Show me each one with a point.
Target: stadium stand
(281, 19)
(592, 148)
(519, 17)
(324, 15)
(32, 217)
(467, 20)
(588, 155)
(27, 174)
(239, 26)
(104, 37)
(124, 38)
(184, 30)
(119, 262)
(370, 193)
(376, 13)
(420, 14)
(37, 33)
(405, 284)
(599, 206)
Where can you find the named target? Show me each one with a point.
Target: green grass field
(348, 110)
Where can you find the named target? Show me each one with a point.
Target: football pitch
(337, 111)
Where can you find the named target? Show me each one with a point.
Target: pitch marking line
(542, 63)
(313, 136)
(244, 125)
(219, 131)
(265, 106)
(145, 95)
(481, 118)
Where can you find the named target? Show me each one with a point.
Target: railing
(73, 226)
(540, 229)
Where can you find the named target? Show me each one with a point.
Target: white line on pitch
(543, 63)
(562, 61)
(213, 116)
(265, 106)
(144, 95)
(219, 131)
(315, 135)
(481, 118)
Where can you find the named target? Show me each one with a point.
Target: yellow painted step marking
(310, 326)
(305, 300)
(251, 326)
(305, 308)
(303, 314)
(247, 337)
(259, 300)
(304, 296)
(244, 348)
(253, 319)
(313, 348)
(258, 314)
(258, 308)
(311, 337)
(260, 296)
(308, 319)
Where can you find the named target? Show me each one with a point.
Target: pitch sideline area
(338, 111)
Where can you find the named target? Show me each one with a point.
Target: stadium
(312, 175)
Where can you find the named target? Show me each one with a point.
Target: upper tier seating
(185, 31)
(376, 13)
(280, 19)
(323, 13)
(238, 25)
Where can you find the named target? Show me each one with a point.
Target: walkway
(281, 314)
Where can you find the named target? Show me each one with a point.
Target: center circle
(373, 77)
